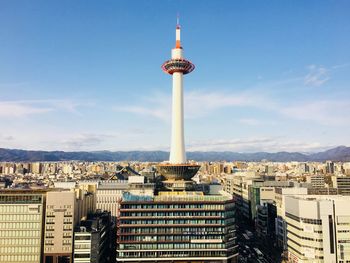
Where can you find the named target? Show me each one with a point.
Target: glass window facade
(200, 228)
(21, 219)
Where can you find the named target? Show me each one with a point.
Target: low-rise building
(316, 181)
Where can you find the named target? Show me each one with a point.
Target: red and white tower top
(178, 36)
(177, 63)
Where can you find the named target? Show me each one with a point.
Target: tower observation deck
(178, 168)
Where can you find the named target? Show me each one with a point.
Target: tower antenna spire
(178, 29)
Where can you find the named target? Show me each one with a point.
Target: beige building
(36, 168)
(21, 225)
(64, 210)
(85, 203)
(316, 181)
(318, 229)
(109, 195)
(59, 227)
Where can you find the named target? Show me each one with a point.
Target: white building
(82, 246)
(280, 197)
(318, 228)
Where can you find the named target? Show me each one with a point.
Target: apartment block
(21, 225)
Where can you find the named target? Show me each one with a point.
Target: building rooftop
(184, 196)
(320, 197)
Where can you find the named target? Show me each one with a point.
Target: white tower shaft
(177, 150)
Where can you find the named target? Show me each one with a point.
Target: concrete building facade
(318, 229)
(59, 225)
(21, 225)
(342, 183)
(177, 227)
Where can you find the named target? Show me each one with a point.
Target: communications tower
(178, 169)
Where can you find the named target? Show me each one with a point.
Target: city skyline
(86, 77)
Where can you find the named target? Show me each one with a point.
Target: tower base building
(177, 227)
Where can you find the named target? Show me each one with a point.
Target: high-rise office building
(64, 210)
(21, 225)
(59, 224)
(318, 228)
(177, 227)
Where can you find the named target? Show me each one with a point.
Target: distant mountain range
(341, 153)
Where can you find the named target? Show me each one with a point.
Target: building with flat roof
(318, 228)
(59, 225)
(316, 181)
(176, 227)
(21, 225)
(342, 183)
(109, 194)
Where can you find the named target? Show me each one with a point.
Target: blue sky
(85, 75)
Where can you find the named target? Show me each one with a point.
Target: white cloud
(201, 104)
(92, 141)
(85, 141)
(22, 108)
(250, 121)
(345, 65)
(326, 112)
(159, 113)
(257, 145)
(197, 104)
(317, 76)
